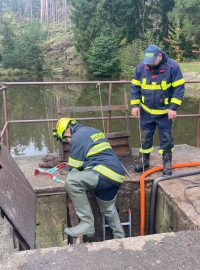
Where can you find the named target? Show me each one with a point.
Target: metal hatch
(17, 198)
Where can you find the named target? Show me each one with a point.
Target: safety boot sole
(69, 231)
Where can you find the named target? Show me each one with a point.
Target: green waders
(76, 185)
(108, 209)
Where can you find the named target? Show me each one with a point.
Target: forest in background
(109, 36)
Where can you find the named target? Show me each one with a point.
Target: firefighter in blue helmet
(93, 166)
(157, 90)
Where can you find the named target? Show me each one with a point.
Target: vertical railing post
(5, 106)
(109, 112)
(198, 128)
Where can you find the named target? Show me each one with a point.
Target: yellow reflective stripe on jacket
(146, 151)
(109, 173)
(179, 82)
(75, 163)
(151, 86)
(136, 82)
(153, 111)
(142, 98)
(155, 86)
(135, 101)
(98, 148)
(176, 101)
(164, 85)
(166, 101)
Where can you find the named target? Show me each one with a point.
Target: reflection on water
(39, 102)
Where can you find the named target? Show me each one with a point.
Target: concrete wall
(169, 215)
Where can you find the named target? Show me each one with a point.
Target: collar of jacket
(75, 128)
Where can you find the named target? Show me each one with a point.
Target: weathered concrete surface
(6, 237)
(178, 205)
(182, 153)
(156, 252)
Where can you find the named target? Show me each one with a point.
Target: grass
(190, 67)
(191, 72)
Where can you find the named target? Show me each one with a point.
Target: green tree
(7, 33)
(27, 52)
(102, 56)
(183, 34)
(89, 17)
(131, 54)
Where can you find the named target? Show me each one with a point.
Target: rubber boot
(77, 193)
(167, 162)
(145, 163)
(108, 209)
(84, 212)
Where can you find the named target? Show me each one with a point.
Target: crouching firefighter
(93, 166)
(157, 90)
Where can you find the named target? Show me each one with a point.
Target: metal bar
(109, 111)
(178, 116)
(198, 129)
(55, 120)
(3, 87)
(123, 224)
(58, 104)
(5, 106)
(104, 227)
(188, 115)
(108, 108)
(130, 221)
(2, 131)
(65, 83)
(87, 118)
(74, 82)
(50, 194)
(22, 243)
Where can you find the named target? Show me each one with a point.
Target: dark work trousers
(149, 123)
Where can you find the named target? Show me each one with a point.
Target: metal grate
(17, 198)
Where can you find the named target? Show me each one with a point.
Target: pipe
(142, 188)
(153, 196)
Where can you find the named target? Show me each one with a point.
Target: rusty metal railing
(7, 121)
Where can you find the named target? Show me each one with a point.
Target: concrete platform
(156, 252)
(182, 153)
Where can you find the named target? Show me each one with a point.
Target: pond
(39, 102)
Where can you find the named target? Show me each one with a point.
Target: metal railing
(7, 121)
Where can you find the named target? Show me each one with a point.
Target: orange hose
(142, 188)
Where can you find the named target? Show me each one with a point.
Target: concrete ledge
(154, 252)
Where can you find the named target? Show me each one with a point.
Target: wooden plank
(118, 142)
(122, 151)
(118, 134)
(95, 108)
